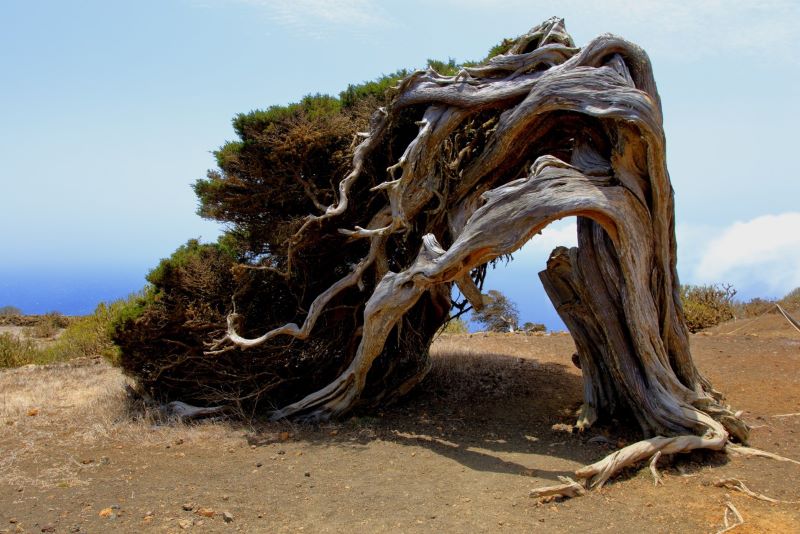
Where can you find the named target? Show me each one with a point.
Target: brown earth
(459, 455)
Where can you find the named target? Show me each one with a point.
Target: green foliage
(707, 306)
(500, 48)
(499, 314)
(85, 336)
(372, 90)
(456, 326)
(530, 328)
(9, 310)
(445, 68)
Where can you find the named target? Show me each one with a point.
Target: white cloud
(759, 255)
(536, 251)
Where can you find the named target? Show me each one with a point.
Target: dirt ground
(459, 455)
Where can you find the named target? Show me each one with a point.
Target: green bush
(707, 306)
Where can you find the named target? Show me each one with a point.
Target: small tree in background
(530, 328)
(499, 314)
(707, 306)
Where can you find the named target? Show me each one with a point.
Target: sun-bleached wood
(573, 132)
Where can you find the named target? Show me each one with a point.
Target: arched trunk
(543, 132)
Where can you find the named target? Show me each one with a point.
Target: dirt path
(460, 455)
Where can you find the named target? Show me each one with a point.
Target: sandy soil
(459, 455)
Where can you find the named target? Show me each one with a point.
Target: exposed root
(729, 507)
(738, 485)
(657, 480)
(598, 473)
(567, 489)
(788, 415)
(749, 451)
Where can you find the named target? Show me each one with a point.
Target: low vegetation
(54, 338)
(707, 306)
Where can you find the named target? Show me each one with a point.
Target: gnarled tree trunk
(542, 132)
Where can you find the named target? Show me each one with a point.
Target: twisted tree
(338, 286)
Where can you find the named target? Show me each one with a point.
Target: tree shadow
(489, 411)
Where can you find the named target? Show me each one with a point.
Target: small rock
(33, 412)
(253, 447)
(227, 516)
(179, 441)
(87, 461)
(104, 460)
(226, 497)
(75, 528)
(107, 513)
(12, 520)
(281, 452)
(115, 507)
(259, 464)
(333, 432)
(188, 507)
(185, 523)
(48, 528)
(205, 512)
(308, 473)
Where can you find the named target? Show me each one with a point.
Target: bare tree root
(738, 450)
(598, 473)
(737, 485)
(729, 507)
(567, 489)
(657, 480)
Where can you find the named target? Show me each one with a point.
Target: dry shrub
(792, 300)
(754, 307)
(15, 351)
(49, 325)
(707, 306)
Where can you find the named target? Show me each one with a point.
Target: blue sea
(78, 291)
(71, 292)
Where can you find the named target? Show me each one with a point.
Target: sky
(110, 110)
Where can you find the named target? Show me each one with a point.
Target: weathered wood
(543, 132)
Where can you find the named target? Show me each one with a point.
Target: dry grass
(47, 413)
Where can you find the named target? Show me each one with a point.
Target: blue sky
(110, 111)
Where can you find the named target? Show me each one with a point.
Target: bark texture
(498, 152)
